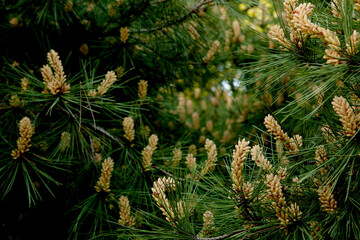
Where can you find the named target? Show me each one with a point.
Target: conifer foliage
(163, 119)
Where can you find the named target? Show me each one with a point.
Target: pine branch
(192, 10)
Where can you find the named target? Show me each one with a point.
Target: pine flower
(153, 141)
(15, 101)
(328, 134)
(193, 32)
(14, 22)
(128, 125)
(239, 157)
(210, 54)
(236, 30)
(275, 189)
(278, 200)
(124, 34)
(315, 229)
(176, 157)
(335, 8)
(65, 140)
(332, 57)
(125, 212)
(189, 108)
(321, 158)
(209, 126)
(68, 6)
(95, 144)
(54, 77)
(203, 105)
(209, 224)
(92, 93)
(248, 190)
(192, 149)
(274, 129)
(295, 143)
(277, 33)
(352, 47)
(103, 184)
(109, 80)
(15, 64)
(197, 92)
(158, 193)
(357, 5)
(97, 157)
(294, 211)
(84, 49)
(148, 151)
(142, 90)
(23, 142)
(282, 172)
(298, 20)
(119, 71)
(24, 83)
(328, 203)
(258, 157)
(289, 6)
(347, 116)
(212, 159)
(195, 118)
(280, 152)
(191, 161)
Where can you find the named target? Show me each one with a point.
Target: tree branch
(194, 9)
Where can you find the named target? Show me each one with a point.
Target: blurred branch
(161, 1)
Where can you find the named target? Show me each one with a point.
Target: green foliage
(113, 156)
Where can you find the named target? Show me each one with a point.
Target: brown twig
(169, 174)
